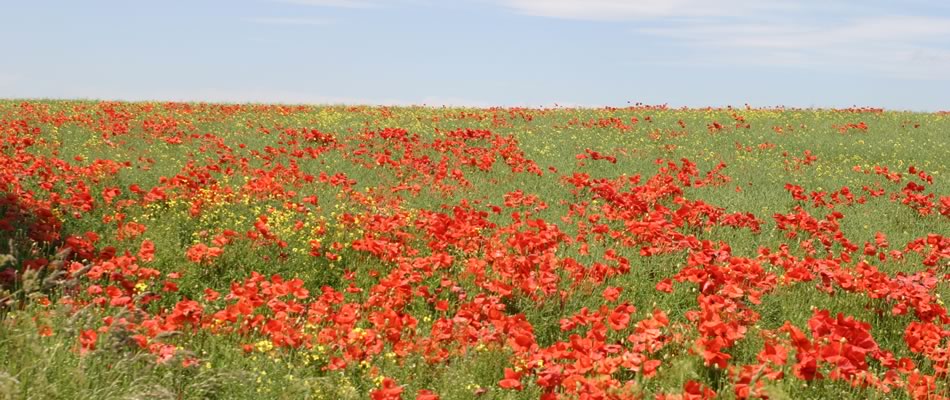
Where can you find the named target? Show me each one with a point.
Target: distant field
(186, 251)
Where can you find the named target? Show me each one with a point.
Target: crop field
(192, 251)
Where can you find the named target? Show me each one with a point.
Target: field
(185, 251)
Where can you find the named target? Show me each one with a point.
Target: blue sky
(482, 52)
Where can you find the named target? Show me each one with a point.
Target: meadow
(190, 251)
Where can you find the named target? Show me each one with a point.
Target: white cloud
(638, 9)
(797, 36)
(895, 46)
(827, 34)
(289, 21)
(332, 3)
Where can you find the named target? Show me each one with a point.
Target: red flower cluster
(413, 258)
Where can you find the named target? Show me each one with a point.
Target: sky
(594, 53)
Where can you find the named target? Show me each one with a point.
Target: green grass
(37, 367)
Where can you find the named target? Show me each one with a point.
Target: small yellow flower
(264, 346)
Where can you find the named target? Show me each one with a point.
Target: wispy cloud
(827, 35)
(289, 21)
(899, 46)
(878, 30)
(332, 3)
(639, 9)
